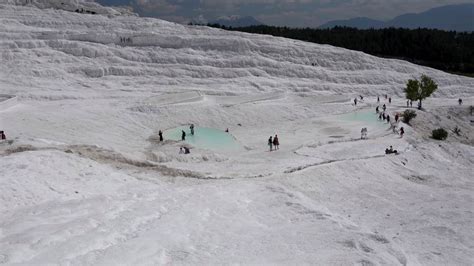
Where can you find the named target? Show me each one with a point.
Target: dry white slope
(93, 187)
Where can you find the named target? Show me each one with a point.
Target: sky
(293, 13)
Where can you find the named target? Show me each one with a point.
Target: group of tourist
(386, 117)
(184, 149)
(386, 98)
(393, 125)
(390, 150)
(378, 99)
(274, 143)
(183, 133)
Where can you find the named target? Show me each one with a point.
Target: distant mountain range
(236, 21)
(451, 17)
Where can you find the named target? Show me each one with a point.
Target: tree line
(449, 51)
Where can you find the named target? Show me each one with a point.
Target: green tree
(419, 90)
(412, 89)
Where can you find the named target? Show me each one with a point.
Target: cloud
(177, 19)
(200, 19)
(296, 13)
(318, 12)
(235, 4)
(381, 9)
(158, 6)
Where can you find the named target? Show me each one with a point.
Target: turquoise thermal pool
(206, 138)
(366, 116)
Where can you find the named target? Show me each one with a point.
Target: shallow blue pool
(205, 137)
(367, 116)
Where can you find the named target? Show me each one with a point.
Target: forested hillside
(445, 50)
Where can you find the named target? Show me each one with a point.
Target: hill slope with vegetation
(444, 50)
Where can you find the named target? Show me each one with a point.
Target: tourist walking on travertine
(276, 142)
(270, 143)
(183, 135)
(402, 131)
(160, 133)
(192, 129)
(355, 101)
